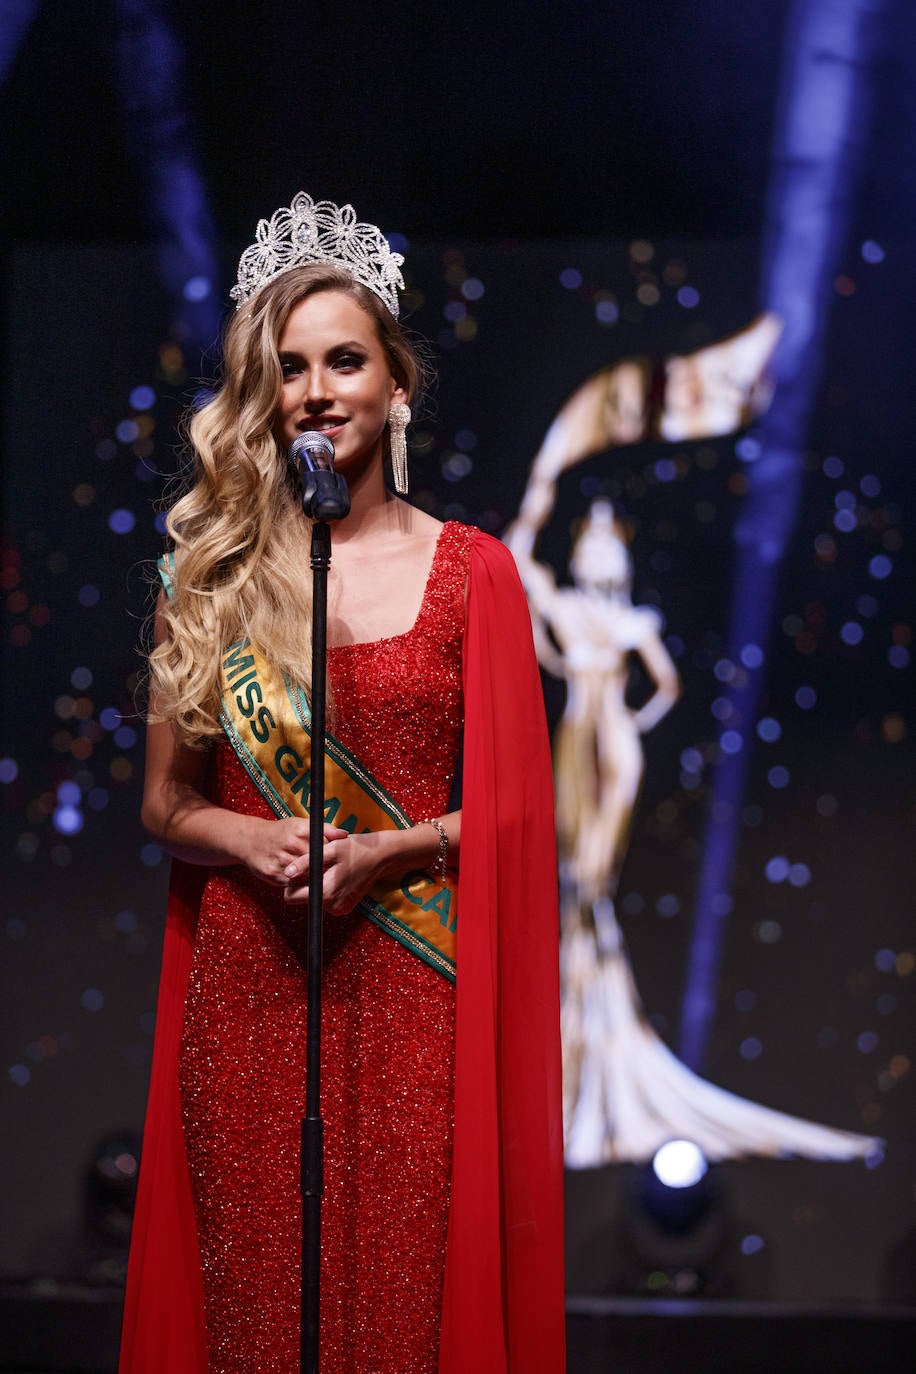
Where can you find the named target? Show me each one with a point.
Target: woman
(441, 1245)
(625, 1093)
(597, 745)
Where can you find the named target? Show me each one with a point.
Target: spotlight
(679, 1164)
(677, 1189)
(675, 1230)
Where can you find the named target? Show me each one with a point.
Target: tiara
(324, 232)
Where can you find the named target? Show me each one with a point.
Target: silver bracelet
(440, 865)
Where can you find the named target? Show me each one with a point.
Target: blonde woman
(441, 1240)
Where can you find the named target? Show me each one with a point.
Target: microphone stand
(324, 497)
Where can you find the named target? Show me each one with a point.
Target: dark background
(524, 139)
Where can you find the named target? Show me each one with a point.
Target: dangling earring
(398, 420)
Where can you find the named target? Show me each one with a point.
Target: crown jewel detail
(305, 232)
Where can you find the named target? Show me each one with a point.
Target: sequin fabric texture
(387, 1052)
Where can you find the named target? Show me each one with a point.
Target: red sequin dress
(387, 1053)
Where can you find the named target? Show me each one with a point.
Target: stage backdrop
(814, 1009)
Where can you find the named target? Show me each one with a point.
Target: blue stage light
(17, 19)
(828, 72)
(160, 127)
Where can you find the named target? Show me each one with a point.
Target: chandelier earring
(398, 420)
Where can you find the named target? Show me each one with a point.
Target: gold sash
(268, 725)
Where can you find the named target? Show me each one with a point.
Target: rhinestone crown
(324, 232)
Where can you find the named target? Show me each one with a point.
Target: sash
(268, 724)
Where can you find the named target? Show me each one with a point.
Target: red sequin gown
(387, 1054)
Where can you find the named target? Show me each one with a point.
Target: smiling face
(336, 379)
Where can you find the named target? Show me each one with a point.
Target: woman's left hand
(352, 864)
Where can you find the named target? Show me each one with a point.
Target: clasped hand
(349, 862)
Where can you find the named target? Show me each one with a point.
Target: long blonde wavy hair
(239, 537)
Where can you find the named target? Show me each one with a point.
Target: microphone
(324, 491)
(314, 449)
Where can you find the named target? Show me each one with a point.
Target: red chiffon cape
(503, 1306)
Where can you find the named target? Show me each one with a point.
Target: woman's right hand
(271, 846)
(178, 813)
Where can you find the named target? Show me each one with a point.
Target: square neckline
(403, 634)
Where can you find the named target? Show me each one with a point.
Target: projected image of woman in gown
(624, 1092)
(441, 1241)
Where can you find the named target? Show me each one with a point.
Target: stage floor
(50, 1327)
